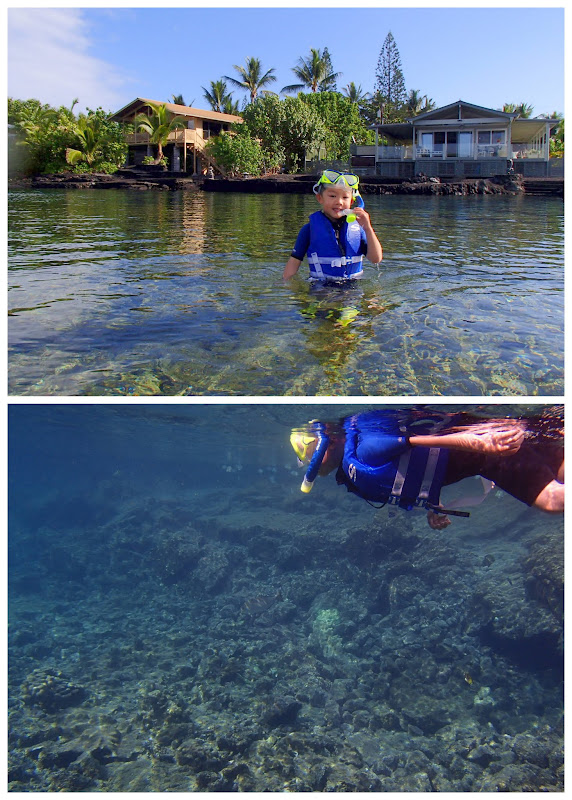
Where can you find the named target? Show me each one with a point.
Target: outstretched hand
(502, 442)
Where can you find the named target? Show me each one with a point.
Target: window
(452, 139)
(465, 145)
(491, 137)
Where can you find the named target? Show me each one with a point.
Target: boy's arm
(374, 251)
(298, 253)
(291, 268)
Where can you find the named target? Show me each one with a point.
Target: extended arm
(501, 441)
(291, 268)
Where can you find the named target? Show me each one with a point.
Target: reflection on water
(181, 293)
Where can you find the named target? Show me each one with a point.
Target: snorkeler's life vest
(383, 468)
(327, 258)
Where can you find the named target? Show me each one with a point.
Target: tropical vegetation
(45, 139)
(276, 132)
(252, 78)
(158, 124)
(314, 73)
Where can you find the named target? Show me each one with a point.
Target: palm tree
(217, 96)
(418, 103)
(37, 119)
(314, 72)
(430, 104)
(521, 109)
(415, 102)
(177, 99)
(252, 78)
(88, 131)
(355, 94)
(158, 124)
(230, 106)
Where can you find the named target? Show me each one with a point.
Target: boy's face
(334, 199)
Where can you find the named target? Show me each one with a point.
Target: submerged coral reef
(216, 645)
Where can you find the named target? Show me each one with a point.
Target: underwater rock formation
(51, 691)
(296, 652)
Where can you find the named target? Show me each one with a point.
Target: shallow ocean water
(130, 293)
(183, 618)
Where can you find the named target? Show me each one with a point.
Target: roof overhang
(128, 111)
(462, 111)
(525, 129)
(396, 130)
(522, 130)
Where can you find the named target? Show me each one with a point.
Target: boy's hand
(362, 217)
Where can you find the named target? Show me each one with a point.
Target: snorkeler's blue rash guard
(303, 240)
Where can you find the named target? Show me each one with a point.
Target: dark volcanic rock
(51, 691)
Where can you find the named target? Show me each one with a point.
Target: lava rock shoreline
(141, 180)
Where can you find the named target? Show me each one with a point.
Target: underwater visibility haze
(179, 293)
(183, 618)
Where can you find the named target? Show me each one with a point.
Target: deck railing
(447, 152)
(407, 152)
(179, 136)
(473, 151)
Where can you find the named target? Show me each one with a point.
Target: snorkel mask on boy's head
(342, 180)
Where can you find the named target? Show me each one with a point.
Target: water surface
(117, 293)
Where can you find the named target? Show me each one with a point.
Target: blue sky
(108, 56)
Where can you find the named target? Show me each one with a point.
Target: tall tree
(230, 106)
(415, 102)
(217, 96)
(253, 80)
(314, 72)
(390, 83)
(177, 99)
(158, 124)
(355, 94)
(329, 84)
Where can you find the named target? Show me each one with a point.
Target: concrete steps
(544, 186)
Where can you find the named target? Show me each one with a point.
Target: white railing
(474, 151)
(394, 152)
(528, 151)
(466, 153)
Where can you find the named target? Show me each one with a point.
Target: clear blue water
(183, 618)
(130, 293)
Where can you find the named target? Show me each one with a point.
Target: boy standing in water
(336, 239)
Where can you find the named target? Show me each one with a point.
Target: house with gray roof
(460, 140)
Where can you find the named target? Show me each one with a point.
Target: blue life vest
(324, 253)
(382, 467)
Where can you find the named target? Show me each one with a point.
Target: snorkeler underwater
(184, 618)
(405, 457)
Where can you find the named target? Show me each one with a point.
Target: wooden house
(185, 147)
(460, 140)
